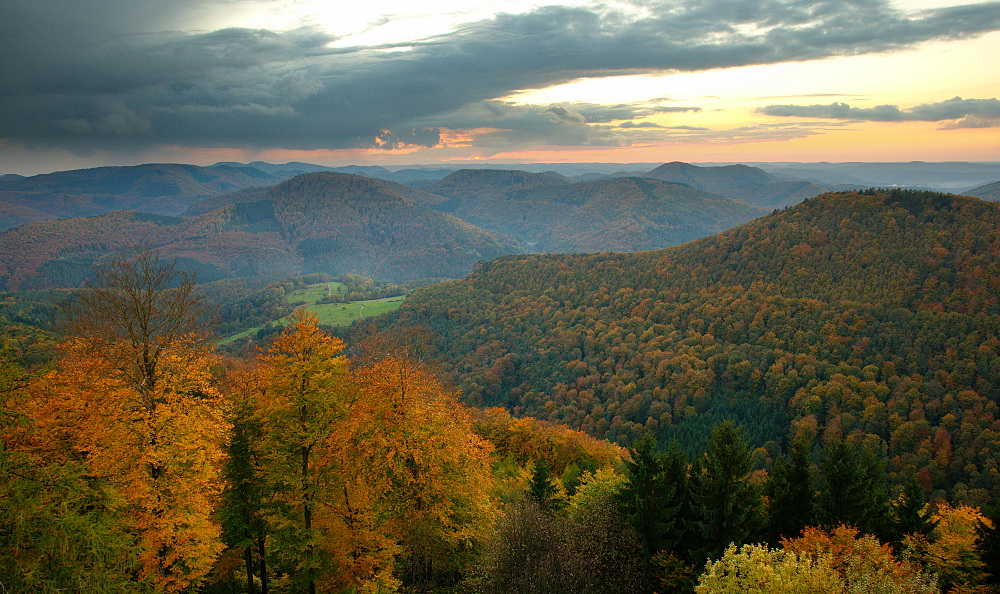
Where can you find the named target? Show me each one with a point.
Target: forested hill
(872, 313)
(549, 214)
(320, 222)
(986, 192)
(741, 182)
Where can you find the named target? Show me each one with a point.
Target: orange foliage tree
(862, 562)
(413, 444)
(133, 397)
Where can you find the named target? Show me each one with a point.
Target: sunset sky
(118, 82)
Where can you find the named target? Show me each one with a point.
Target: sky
(85, 83)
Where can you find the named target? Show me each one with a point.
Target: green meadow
(329, 314)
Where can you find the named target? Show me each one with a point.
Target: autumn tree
(412, 454)
(134, 310)
(133, 396)
(58, 530)
(950, 549)
(860, 561)
(302, 399)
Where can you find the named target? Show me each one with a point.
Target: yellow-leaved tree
(303, 401)
(413, 457)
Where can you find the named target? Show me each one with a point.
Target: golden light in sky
(395, 82)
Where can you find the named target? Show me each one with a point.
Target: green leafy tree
(302, 400)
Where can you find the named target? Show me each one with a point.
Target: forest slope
(319, 222)
(871, 312)
(986, 192)
(549, 214)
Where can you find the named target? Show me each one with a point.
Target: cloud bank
(955, 113)
(126, 75)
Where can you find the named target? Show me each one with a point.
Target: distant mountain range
(239, 220)
(741, 182)
(156, 188)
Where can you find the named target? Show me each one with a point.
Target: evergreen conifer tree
(791, 490)
(541, 489)
(854, 488)
(909, 514)
(988, 545)
(725, 505)
(653, 495)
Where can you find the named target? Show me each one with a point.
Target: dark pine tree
(909, 514)
(541, 488)
(988, 546)
(242, 525)
(725, 505)
(652, 497)
(791, 492)
(854, 489)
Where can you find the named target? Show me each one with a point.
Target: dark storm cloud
(129, 74)
(957, 112)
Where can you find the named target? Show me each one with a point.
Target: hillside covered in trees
(135, 457)
(549, 214)
(870, 314)
(321, 222)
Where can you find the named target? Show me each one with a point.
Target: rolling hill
(550, 214)
(156, 188)
(871, 313)
(986, 192)
(740, 182)
(318, 222)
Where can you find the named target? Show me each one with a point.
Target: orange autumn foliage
(159, 450)
(857, 559)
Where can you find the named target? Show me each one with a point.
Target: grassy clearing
(329, 314)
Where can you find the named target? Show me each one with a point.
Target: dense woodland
(803, 403)
(859, 315)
